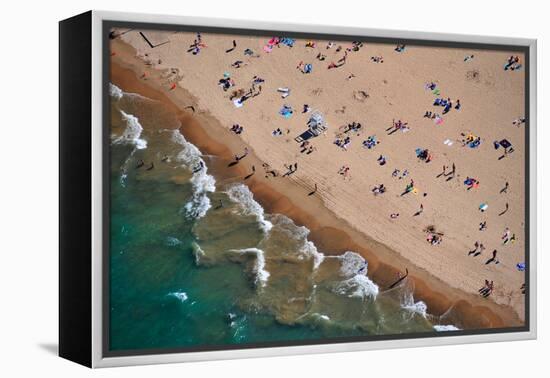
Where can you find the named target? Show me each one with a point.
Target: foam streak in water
(202, 182)
(241, 195)
(115, 92)
(132, 133)
(444, 328)
(409, 304)
(179, 295)
(357, 284)
(262, 275)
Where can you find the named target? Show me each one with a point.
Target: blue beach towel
(475, 143)
(286, 111)
(287, 41)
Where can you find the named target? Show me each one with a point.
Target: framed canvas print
(233, 189)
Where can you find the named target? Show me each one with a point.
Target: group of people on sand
(197, 45)
(398, 125)
(447, 104)
(344, 137)
(377, 59)
(344, 171)
(291, 169)
(487, 289)
(306, 147)
(237, 129)
(512, 63)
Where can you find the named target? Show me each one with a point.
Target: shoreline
(326, 229)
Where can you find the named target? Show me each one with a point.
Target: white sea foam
(197, 252)
(357, 284)
(299, 233)
(172, 241)
(132, 132)
(410, 305)
(352, 264)
(202, 182)
(310, 250)
(180, 295)
(115, 91)
(261, 274)
(243, 197)
(124, 169)
(444, 328)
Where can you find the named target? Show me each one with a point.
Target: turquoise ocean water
(186, 272)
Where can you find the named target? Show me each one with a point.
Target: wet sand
(331, 234)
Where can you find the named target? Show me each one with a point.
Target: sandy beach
(376, 87)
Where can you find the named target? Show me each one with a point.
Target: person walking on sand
(493, 259)
(505, 189)
(245, 154)
(507, 206)
(313, 191)
(474, 251)
(443, 173)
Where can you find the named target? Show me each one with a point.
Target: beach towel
(267, 49)
(505, 143)
(483, 207)
(287, 41)
(286, 111)
(475, 143)
(285, 92)
(436, 92)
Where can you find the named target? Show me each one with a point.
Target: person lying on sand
(380, 189)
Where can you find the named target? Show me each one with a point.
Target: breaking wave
(418, 308)
(132, 132)
(202, 182)
(260, 273)
(243, 196)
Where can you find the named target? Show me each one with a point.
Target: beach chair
(304, 136)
